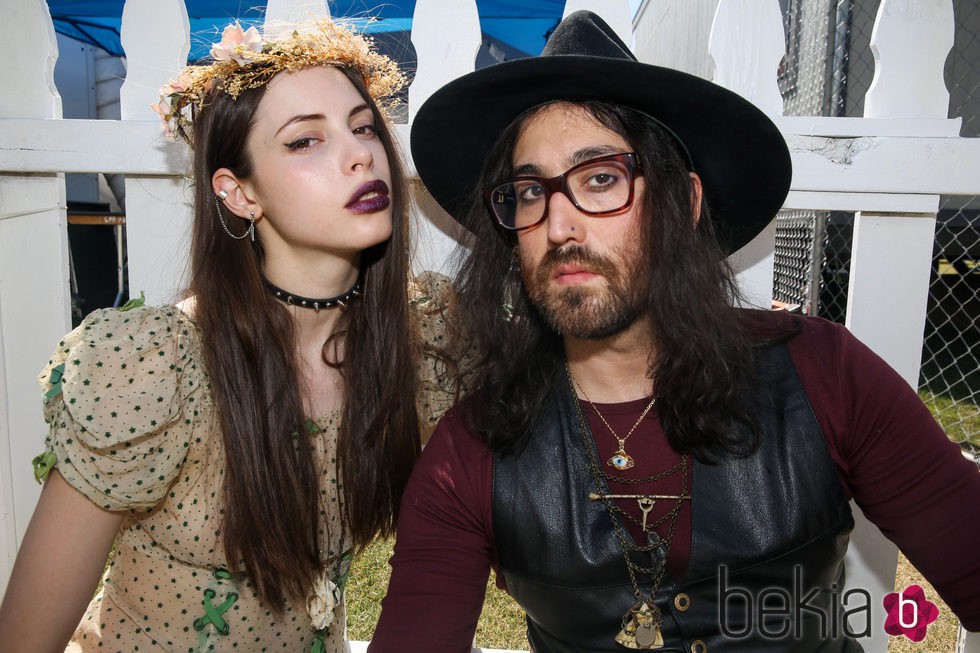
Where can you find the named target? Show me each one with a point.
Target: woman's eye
(301, 144)
(365, 130)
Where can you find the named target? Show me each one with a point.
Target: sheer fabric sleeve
(119, 395)
(442, 370)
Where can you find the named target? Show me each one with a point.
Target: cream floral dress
(133, 427)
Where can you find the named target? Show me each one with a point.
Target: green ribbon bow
(133, 303)
(43, 464)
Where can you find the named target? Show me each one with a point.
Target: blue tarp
(516, 28)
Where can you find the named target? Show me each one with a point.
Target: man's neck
(614, 369)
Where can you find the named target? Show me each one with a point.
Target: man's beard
(588, 313)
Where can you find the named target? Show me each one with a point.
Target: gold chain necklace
(620, 459)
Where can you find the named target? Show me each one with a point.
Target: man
(642, 464)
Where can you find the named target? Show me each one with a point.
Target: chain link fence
(828, 69)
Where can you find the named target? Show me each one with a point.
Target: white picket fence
(889, 166)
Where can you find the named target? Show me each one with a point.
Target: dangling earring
(511, 287)
(251, 224)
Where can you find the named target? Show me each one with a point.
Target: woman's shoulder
(136, 341)
(134, 322)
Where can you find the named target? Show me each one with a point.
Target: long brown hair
(271, 488)
(702, 353)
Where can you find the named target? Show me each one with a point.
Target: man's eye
(531, 192)
(601, 180)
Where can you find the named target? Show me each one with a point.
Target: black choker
(315, 304)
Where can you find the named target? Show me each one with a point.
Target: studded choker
(316, 304)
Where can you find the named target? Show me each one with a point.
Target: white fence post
(34, 296)
(283, 16)
(747, 44)
(910, 43)
(156, 41)
(675, 33)
(447, 36)
(968, 642)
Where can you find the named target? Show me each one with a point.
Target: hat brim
(735, 149)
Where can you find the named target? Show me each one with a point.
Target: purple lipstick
(369, 197)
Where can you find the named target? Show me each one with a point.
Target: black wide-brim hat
(735, 149)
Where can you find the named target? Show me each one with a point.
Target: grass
(960, 419)
(501, 625)
(941, 635)
(502, 622)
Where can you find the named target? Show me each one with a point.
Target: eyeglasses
(598, 187)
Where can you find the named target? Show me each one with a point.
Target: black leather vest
(768, 530)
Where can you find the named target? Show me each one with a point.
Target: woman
(240, 447)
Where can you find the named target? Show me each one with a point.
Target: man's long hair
(272, 490)
(701, 353)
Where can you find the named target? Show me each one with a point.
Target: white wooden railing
(889, 166)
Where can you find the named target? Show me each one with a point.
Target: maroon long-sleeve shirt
(891, 457)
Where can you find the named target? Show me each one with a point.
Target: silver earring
(248, 232)
(223, 194)
(512, 285)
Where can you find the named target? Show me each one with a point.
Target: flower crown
(242, 60)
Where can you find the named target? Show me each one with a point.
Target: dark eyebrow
(577, 157)
(319, 116)
(301, 118)
(358, 109)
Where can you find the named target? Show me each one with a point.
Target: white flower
(322, 603)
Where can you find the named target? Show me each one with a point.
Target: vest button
(697, 646)
(682, 602)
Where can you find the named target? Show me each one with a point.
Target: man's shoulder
(782, 326)
(455, 433)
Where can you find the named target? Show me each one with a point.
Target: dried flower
(322, 603)
(181, 84)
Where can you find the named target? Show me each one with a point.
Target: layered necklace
(642, 622)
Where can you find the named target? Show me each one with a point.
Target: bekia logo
(909, 613)
(781, 612)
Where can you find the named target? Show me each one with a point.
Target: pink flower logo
(909, 613)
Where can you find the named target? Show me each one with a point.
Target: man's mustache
(576, 255)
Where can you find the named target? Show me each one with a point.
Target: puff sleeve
(119, 400)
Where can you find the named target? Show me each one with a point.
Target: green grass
(501, 625)
(959, 418)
